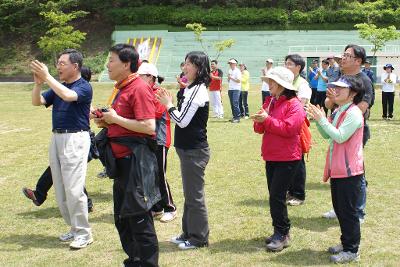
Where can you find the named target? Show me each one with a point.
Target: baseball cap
(148, 69)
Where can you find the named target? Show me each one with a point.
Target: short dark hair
(86, 73)
(297, 59)
(74, 56)
(356, 85)
(215, 61)
(359, 52)
(325, 61)
(202, 63)
(127, 53)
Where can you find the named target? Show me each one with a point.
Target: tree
(219, 46)
(377, 36)
(60, 34)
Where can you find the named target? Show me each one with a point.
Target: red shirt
(134, 101)
(216, 84)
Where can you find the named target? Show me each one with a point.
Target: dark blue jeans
(234, 96)
(243, 105)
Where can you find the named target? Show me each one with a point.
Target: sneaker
(270, 238)
(157, 214)
(31, 195)
(344, 257)
(168, 216)
(102, 174)
(362, 220)
(279, 242)
(329, 215)
(295, 202)
(235, 120)
(81, 242)
(335, 249)
(186, 245)
(178, 239)
(220, 116)
(246, 117)
(67, 237)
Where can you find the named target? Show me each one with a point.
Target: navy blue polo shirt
(71, 115)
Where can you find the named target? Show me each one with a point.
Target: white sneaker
(330, 215)
(67, 237)
(177, 239)
(186, 245)
(168, 216)
(81, 242)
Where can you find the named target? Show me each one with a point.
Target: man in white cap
(234, 81)
(264, 86)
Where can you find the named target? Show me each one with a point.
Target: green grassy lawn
(236, 195)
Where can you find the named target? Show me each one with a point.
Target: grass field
(236, 196)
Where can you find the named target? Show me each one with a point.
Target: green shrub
(96, 63)
(216, 16)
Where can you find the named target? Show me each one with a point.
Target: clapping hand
(260, 116)
(316, 112)
(39, 70)
(164, 96)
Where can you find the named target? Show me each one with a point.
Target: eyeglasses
(347, 55)
(290, 64)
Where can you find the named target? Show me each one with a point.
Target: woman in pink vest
(344, 162)
(279, 121)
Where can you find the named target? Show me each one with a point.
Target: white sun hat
(282, 76)
(340, 83)
(148, 68)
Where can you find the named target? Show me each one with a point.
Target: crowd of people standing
(136, 135)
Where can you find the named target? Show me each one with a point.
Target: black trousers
(166, 203)
(279, 176)
(387, 104)
(44, 184)
(320, 100)
(243, 105)
(137, 233)
(345, 194)
(264, 95)
(297, 187)
(313, 96)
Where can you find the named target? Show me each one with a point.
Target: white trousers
(68, 156)
(216, 103)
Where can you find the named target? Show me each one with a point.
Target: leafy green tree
(60, 34)
(219, 46)
(377, 36)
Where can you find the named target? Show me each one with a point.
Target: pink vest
(347, 158)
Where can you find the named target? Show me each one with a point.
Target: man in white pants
(215, 90)
(70, 142)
